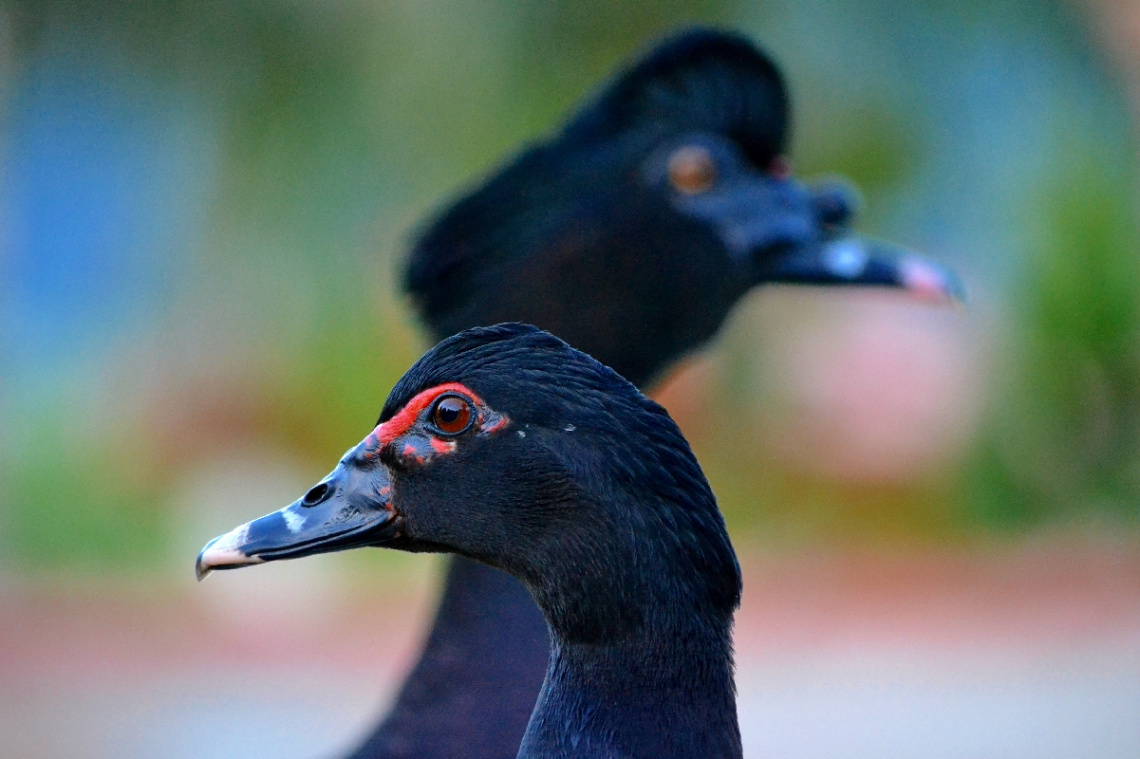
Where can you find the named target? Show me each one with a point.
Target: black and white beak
(856, 261)
(351, 507)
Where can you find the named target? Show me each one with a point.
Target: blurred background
(203, 209)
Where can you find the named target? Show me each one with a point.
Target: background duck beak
(785, 231)
(351, 507)
(857, 261)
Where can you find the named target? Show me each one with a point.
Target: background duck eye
(692, 170)
(452, 415)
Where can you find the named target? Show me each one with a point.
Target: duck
(506, 446)
(631, 232)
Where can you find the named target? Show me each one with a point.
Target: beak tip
(931, 282)
(224, 552)
(201, 569)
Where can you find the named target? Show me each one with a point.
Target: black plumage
(589, 495)
(580, 235)
(592, 235)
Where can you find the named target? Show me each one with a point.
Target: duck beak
(352, 507)
(784, 231)
(859, 262)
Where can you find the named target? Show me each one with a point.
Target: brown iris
(692, 170)
(452, 414)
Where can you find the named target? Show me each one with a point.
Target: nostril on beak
(835, 203)
(316, 495)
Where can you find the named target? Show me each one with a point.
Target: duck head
(656, 207)
(505, 445)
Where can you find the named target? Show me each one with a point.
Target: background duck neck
(469, 695)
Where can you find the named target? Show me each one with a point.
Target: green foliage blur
(284, 152)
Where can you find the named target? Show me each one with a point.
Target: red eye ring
(452, 414)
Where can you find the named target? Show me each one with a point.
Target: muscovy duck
(504, 445)
(630, 233)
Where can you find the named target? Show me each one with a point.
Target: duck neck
(666, 690)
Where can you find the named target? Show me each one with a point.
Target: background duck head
(634, 229)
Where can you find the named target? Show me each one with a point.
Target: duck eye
(692, 170)
(452, 414)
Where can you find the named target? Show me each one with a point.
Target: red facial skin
(414, 443)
